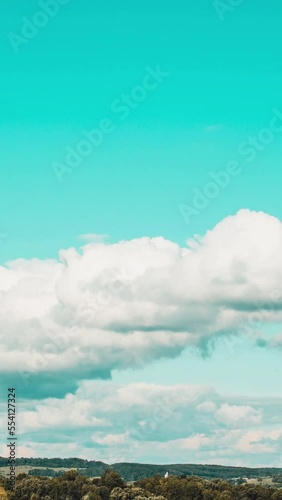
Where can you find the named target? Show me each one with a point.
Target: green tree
(111, 479)
(277, 495)
(226, 495)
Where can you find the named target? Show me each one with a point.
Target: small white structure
(166, 475)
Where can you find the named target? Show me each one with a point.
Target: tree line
(135, 471)
(110, 486)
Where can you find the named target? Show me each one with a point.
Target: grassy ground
(26, 468)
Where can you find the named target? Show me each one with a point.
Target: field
(26, 468)
(3, 494)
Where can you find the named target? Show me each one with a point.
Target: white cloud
(260, 442)
(213, 128)
(234, 415)
(112, 306)
(114, 422)
(93, 237)
(110, 439)
(207, 407)
(196, 442)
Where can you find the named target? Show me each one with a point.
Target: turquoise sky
(65, 79)
(224, 80)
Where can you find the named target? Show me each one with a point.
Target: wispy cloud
(94, 237)
(213, 128)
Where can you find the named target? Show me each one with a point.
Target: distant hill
(136, 471)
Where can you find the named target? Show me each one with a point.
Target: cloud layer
(179, 423)
(113, 306)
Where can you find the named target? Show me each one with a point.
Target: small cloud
(3, 236)
(207, 407)
(277, 341)
(94, 238)
(213, 128)
(238, 415)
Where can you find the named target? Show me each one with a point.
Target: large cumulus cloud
(113, 306)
